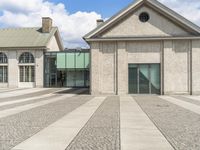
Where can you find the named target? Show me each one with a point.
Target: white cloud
(190, 9)
(28, 13)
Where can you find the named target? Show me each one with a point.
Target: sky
(75, 18)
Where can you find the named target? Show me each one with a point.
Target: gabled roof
(181, 21)
(26, 37)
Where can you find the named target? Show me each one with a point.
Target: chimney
(99, 22)
(46, 24)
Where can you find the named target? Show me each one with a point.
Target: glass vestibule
(67, 69)
(144, 78)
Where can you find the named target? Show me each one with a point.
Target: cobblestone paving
(17, 128)
(102, 131)
(180, 126)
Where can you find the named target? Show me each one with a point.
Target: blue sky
(104, 7)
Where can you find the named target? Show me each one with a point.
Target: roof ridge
(21, 28)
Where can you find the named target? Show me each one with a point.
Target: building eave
(140, 38)
(24, 48)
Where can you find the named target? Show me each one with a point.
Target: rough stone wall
(176, 67)
(109, 64)
(157, 26)
(108, 67)
(95, 69)
(122, 69)
(196, 66)
(39, 68)
(144, 51)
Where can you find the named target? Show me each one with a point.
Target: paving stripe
(186, 105)
(19, 109)
(10, 90)
(102, 131)
(24, 100)
(27, 99)
(197, 98)
(137, 130)
(20, 92)
(60, 134)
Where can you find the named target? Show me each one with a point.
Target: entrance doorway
(144, 78)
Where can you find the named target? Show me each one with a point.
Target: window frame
(26, 67)
(27, 73)
(26, 58)
(4, 74)
(4, 66)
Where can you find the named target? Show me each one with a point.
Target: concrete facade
(124, 40)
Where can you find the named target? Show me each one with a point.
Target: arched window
(26, 58)
(27, 67)
(3, 58)
(3, 68)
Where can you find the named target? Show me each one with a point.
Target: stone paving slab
(16, 95)
(16, 103)
(190, 99)
(102, 131)
(59, 134)
(180, 126)
(19, 127)
(21, 108)
(137, 131)
(181, 103)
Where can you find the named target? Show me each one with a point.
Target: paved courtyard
(70, 119)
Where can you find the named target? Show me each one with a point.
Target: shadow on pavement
(78, 91)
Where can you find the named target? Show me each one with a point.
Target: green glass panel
(155, 79)
(87, 60)
(80, 78)
(132, 65)
(79, 60)
(71, 75)
(133, 79)
(70, 60)
(144, 79)
(61, 60)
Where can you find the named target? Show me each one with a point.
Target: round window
(144, 17)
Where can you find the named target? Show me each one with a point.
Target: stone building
(22, 53)
(145, 49)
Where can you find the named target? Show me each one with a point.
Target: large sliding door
(144, 78)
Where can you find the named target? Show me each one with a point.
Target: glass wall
(67, 69)
(144, 78)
